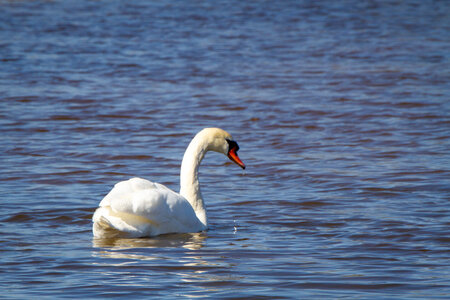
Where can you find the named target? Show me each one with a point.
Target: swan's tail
(104, 229)
(109, 224)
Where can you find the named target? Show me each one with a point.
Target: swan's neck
(189, 185)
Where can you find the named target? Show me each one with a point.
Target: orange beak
(234, 157)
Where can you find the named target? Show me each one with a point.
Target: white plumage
(138, 207)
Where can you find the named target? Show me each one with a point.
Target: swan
(140, 208)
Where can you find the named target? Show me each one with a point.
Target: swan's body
(138, 207)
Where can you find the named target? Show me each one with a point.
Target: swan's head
(221, 141)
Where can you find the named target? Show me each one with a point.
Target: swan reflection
(113, 248)
(165, 254)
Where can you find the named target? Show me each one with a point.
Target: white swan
(141, 208)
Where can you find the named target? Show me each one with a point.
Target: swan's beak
(232, 154)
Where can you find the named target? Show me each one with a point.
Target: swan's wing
(147, 207)
(124, 188)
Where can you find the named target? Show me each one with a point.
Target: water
(341, 110)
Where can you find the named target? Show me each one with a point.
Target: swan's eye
(232, 145)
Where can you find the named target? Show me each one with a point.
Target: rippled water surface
(341, 110)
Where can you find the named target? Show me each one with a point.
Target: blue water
(340, 108)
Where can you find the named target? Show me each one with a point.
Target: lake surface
(341, 110)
